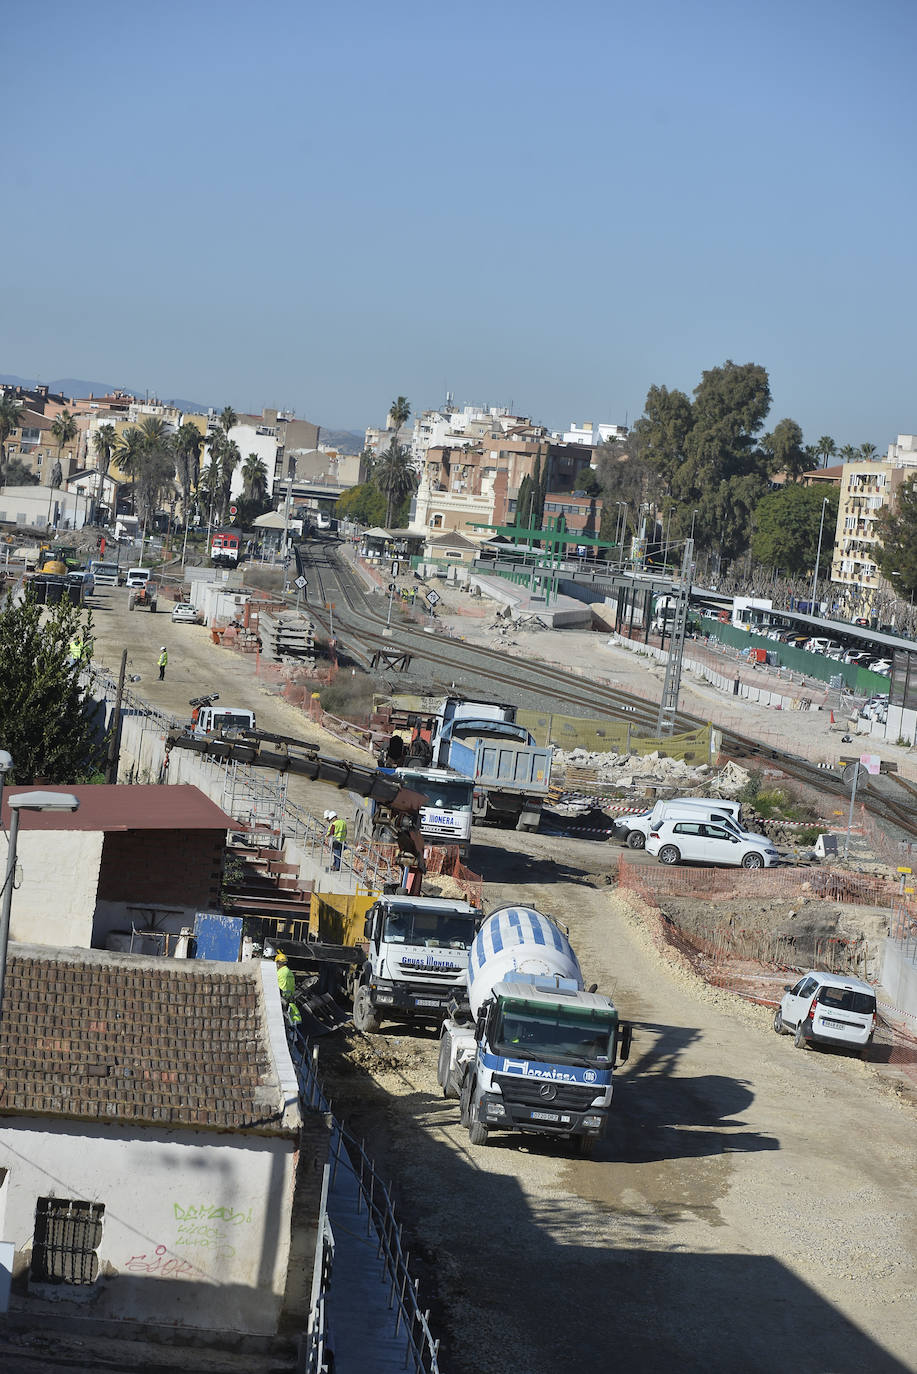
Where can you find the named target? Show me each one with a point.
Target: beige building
(867, 487)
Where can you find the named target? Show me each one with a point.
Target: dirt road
(750, 1201)
(752, 1206)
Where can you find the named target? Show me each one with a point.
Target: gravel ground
(750, 1199)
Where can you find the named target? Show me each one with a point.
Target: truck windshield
(434, 929)
(444, 796)
(232, 720)
(563, 1035)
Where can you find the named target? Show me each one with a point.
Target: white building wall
(41, 506)
(196, 1229)
(56, 902)
(260, 439)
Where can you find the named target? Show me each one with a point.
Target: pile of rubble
(633, 771)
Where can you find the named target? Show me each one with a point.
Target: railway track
(360, 630)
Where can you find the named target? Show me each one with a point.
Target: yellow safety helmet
(280, 957)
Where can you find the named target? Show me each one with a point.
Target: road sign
(432, 598)
(395, 568)
(233, 510)
(301, 583)
(872, 763)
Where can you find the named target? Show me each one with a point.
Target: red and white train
(225, 546)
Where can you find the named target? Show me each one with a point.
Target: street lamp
(22, 801)
(821, 527)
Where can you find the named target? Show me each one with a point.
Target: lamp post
(821, 528)
(23, 801)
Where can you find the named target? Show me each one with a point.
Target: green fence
(859, 680)
(603, 735)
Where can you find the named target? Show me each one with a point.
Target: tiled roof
(117, 1038)
(115, 806)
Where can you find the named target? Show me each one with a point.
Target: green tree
(254, 478)
(104, 442)
(10, 419)
(46, 722)
(230, 457)
(399, 413)
(848, 454)
(786, 526)
(394, 475)
(129, 454)
(826, 449)
(187, 447)
(364, 504)
(867, 451)
(64, 429)
(897, 530)
(788, 454)
(19, 475)
(228, 420)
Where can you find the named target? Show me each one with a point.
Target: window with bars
(67, 1235)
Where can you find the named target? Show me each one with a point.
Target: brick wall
(168, 867)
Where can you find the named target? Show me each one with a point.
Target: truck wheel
(152, 607)
(131, 604)
(636, 839)
(446, 1076)
(477, 1133)
(365, 1017)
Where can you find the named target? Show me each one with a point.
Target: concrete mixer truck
(531, 1050)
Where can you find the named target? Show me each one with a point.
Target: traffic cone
(831, 722)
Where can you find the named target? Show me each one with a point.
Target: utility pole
(111, 767)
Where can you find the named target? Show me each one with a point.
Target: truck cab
(416, 958)
(447, 818)
(207, 720)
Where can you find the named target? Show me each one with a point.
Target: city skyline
(542, 211)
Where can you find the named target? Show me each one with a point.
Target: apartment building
(867, 487)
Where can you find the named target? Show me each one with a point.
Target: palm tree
(849, 453)
(129, 455)
(104, 440)
(399, 413)
(394, 474)
(254, 478)
(230, 458)
(10, 419)
(228, 419)
(826, 449)
(63, 427)
(867, 451)
(188, 444)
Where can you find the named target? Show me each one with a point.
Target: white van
(138, 577)
(633, 830)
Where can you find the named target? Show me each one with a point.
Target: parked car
(84, 577)
(835, 653)
(882, 666)
(706, 842)
(186, 614)
(857, 656)
(633, 830)
(820, 645)
(830, 1008)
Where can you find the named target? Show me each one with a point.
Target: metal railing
(373, 1197)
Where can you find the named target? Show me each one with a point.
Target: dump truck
(531, 1049)
(511, 773)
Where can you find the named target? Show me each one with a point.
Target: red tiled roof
(119, 807)
(97, 1036)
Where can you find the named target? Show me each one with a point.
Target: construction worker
(80, 648)
(336, 836)
(162, 660)
(287, 985)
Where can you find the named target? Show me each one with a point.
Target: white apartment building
(591, 434)
(867, 487)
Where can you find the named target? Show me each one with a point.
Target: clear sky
(544, 205)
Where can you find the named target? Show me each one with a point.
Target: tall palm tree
(188, 444)
(10, 419)
(867, 451)
(228, 419)
(129, 454)
(254, 478)
(104, 440)
(849, 453)
(64, 429)
(230, 458)
(826, 449)
(399, 413)
(394, 475)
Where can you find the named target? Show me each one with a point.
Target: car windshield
(445, 796)
(846, 999)
(227, 720)
(433, 929)
(571, 1035)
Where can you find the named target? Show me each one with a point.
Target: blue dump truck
(511, 773)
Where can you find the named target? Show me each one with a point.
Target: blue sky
(552, 206)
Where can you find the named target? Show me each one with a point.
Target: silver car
(186, 614)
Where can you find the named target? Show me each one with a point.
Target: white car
(709, 842)
(832, 1008)
(883, 666)
(186, 614)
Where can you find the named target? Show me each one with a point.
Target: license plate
(545, 1116)
(427, 1002)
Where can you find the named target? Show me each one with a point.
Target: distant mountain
(345, 440)
(79, 389)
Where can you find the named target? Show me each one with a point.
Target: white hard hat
(332, 815)
(162, 648)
